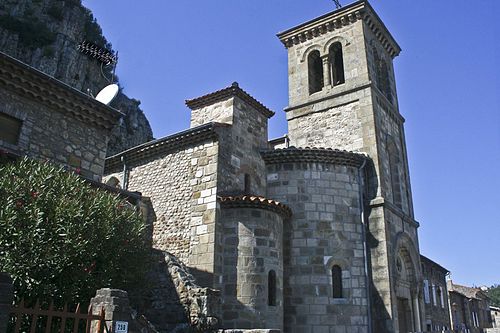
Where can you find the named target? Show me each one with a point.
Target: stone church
(313, 232)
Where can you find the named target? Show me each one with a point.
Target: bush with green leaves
(62, 239)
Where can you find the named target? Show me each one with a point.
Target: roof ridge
(222, 94)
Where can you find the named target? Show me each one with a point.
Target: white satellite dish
(107, 94)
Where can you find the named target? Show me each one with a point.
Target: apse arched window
(336, 64)
(271, 288)
(315, 72)
(337, 281)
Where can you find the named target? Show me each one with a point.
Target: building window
(394, 162)
(427, 299)
(382, 74)
(336, 64)
(434, 299)
(442, 296)
(337, 281)
(439, 299)
(10, 128)
(271, 288)
(315, 72)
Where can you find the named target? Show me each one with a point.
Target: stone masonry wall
(336, 127)
(241, 153)
(325, 230)
(47, 133)
(221, 112)
(252, 239)
(242, 143)
(182, 187)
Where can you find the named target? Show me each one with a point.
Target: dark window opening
(271, 288)
(315, 69)
(337, 281)
(438, 301)
(336, 64)
(10, 128)
(247, 184)
(397, 198)
(382, 73)
(385, 84)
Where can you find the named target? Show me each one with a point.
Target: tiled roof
(223, 94)
(255, 201)
(36, 85)
(466, 291)
(161, 146)
(321, 155)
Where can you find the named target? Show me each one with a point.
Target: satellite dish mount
(106, 58)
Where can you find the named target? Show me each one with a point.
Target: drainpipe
(125, 173)
(365, 247)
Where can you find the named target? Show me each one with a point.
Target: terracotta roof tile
(231, 91)
(255, 201)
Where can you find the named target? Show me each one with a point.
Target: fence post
(116, 306)
(6, 297)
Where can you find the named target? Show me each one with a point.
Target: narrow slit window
(10, 128)
(247, 184)
(395, 175)
(337, 281)
(315, 69)
(336, 64)
(271, 288)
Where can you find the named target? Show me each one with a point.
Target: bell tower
(342, 95)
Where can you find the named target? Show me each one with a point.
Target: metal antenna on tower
(337, 3)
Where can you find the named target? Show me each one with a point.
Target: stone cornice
(162, 146)
(313, 155)
(250, 201)
(223, 94)
(39, 87)
(360, 10)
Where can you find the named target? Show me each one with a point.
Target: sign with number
(121, 327)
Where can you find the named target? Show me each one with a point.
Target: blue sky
(447, 80)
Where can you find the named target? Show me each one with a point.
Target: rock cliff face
(45, 35)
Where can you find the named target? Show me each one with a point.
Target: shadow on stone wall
(381, 319)
(174, 301)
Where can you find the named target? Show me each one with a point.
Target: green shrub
(62, 239)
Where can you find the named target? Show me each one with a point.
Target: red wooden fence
(20, 311)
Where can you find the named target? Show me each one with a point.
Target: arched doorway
(407, 287)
